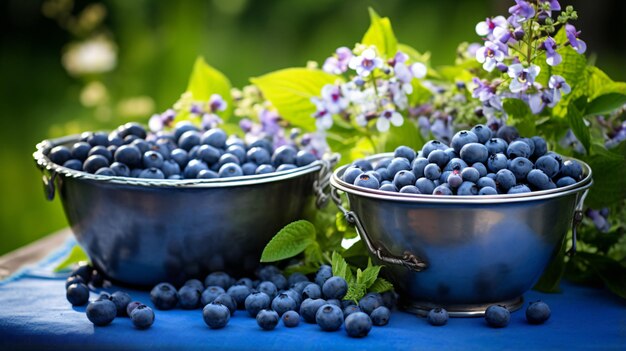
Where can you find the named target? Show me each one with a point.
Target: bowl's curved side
(145, 235)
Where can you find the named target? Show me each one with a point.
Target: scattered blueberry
(380, 316)
(267, 319)
(256, 302)
(142, 316)
(101, 312)
(358, 324)
(121, 301)
(309, 308)
(189, 297)
(437, 316)
(537, 312)
(497, 316)
(164, 296)
(77, 294)
(329, 317)
(216, 315)
(291, 319)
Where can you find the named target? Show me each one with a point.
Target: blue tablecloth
(34, 314)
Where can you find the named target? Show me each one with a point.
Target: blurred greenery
(156, 44)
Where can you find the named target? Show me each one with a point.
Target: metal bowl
(142, 231)
(462, 253)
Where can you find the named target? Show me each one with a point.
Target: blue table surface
(34, 314)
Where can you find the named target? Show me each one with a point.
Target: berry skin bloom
(490, 55)
(365, 63)
(522, 78)
(388, 117)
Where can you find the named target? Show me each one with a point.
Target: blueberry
(297, 277)
(537, 312)
(467, 188)
(269, 288)
(208, 154)
(518, 149)
(105, 171)
(403, 178)
(539, 180)
(291, 319)
(295, 296)
(285, 154)
(455, 164)
(266, 272)
(129, 139)
(238, 151)
(350, 174)
(283, 303)
(398, 164)
(128, 155)
(77, 294)
(491, 175)
(407, 189)
(132, 128)
(389, 187)
(131, 306)
(309, 307)
(94, 163)
(304, 158)
(496, 162)
(520, 167)
(300, 286)
(505, 179)
(214, 137)
(437, 317)
(335, 288)
(404, 151)
(565, 181)
(193, 168)
(286, 167)
(256, 302)
(480, 167)
(216, 315)
(323, 274)
(264, 143)
(245, 281)
(384, 163)
(470, 174)
(572, 169)
(497, 316)
(120, 169)
(73, 164)
(486, 182)
(230, 170)
(364, 180)
(380, 316)
(462, 138)
(348, 310)
(425, 186)
(164, 296)
(335, 302)
(431, 146)
(482, 132)
(115, 140)
(375, 175)
(442, 190)
(239, 294)
(121, 301)
(496, 146)
(142, 317)
(142, 145)
(519, 189)
(228, 301)
(329, 317)
(180, 156)
(189, 139)
(104, 296)
(110, 151)
(548, 165)
(170, 168)
(267, 320)
(370, 302)
(432, 171)
(152, 173)
(101, 312)
(474, 152)
(507, 133)
(364, 165)
(80, 150)
(488, 191)
(265, 169)
(220, 279)
(189, 297)
(530, 144)
(439, 157)
(152, 159)
(74, 279)
(312, 291)
(210, 294)
(541, 147)
(358, 324)
(98, 139)
(455, 180)
(102, 151)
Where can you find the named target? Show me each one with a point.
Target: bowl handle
(321, 184)
(578, 217)
(408, 259)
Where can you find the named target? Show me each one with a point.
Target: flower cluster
(512, 47)
(206, 111)
(371, 88)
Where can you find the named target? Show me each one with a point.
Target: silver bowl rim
(45, 163)
(338, 183)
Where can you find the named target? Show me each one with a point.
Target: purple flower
(522, 78)
(483, 90)
(338, 63)
(270, 121)
(489, 55)
(553, 58)
(323, 118)
(442, 128)
(399, 57)
(559, 86)
(521, 11)
(315, 143)
(402, 72)
(486, 27)
(210, 120)
(388, 117)
(424, 125)
(158, 121)
(246, 125)
(599, 220)
(570, 141)
(365, 63)
(537, 102)
(217, 103)
(617, 136)
(334, 101)
(554, 4)
(196, 109)
(572, 37)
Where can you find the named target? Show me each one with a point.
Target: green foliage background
(157, 43)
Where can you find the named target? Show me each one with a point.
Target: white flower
(388, 117)
(365, 63)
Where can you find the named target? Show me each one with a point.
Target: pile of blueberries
(184, 153)
(476, 162)
(270, 298)
(106, 307)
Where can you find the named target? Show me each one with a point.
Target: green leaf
(290, 91)
(380, 34)
(407, 134)
(420, 93)
(380, 286)
(577, 123)
(368, 276)
(607, 103)
(414, 55)
(520, 115)
(612, 273)
(206, 81)
(597, 80)
(76, 255)
(609, 188)
(294, 238)
(355, 292)
(313, 253)
(357, 249)
(341, 268)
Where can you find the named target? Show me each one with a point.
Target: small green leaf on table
(293, 239)
(76, 255)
